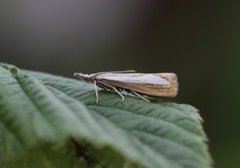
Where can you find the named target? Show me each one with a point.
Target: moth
(138, 84)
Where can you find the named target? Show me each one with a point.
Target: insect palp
(81, 75)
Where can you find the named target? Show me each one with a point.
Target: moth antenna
(124, 71)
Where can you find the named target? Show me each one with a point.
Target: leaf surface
(38, 108)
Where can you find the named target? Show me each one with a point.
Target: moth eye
(75, 74)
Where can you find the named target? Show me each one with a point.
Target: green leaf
(42, 113)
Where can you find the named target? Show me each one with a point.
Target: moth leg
(96, 91)
(114, 89)
(119, 94)
(139, 96)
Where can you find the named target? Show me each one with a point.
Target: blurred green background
(198, 40)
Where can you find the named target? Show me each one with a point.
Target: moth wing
(160, 84)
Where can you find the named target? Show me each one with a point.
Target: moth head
(81, 76)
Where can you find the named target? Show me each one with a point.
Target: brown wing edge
(172, 78)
